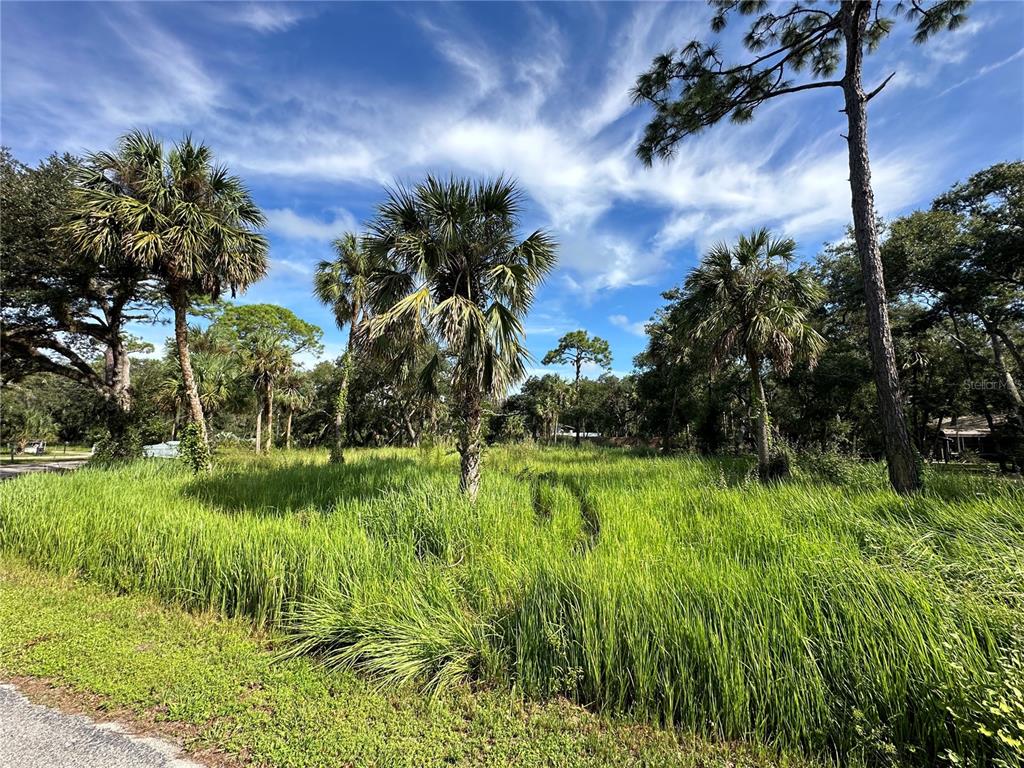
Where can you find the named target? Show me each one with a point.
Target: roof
(970, 425)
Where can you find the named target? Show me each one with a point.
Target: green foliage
(131, 204)
(507, 428)
(241, 322)
(577, 348)
(829, 466)
(63, 311)
(747, 300)
(663, 589)
(132, 656)
(693, 88)
(459, 276)
(193, 451)
(998, 712)
(111, 449)
(779, 464)
(460, 273)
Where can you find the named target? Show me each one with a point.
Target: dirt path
(34, 736)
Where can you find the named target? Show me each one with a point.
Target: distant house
(967, 433)
(168, 450)
(564, 430)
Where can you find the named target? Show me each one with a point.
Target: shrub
(192, 449)
(113, 450)
(829, 466)
(507, 428)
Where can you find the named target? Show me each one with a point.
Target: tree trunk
(469, 439)
(937, 438)
(269, 431)
(760, 407)
(902, 459)
(409, 428)
(1014, 351)
(1004, 371)
(341, 407)
(288, 432)
(179, 300)
(259, 427)
(668, 443)
(576, 398)
(117, 377)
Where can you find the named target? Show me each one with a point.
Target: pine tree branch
(878, 90)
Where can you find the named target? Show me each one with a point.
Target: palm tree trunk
(409, 428)
(760, 407)
(902, 459)
(270, 418)
(179, 300)
(259, 427)
(469, 439)
(288, 432)
(341, 407)
(576, 397)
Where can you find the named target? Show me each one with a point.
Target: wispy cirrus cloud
(549, 104)
(637, 328)
(985, 70)
(266, 17)
(289, 224)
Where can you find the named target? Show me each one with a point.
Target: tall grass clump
(837, 618)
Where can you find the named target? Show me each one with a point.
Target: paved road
(33, 736)
(7, 471)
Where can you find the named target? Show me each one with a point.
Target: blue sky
(318, 106)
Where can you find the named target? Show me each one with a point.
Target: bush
(829, 466)
(114, 450)
(193, 449)
(507, 428)
(231, 440)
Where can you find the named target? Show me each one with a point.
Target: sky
(319, 106)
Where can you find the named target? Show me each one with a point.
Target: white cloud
(265, 17)
(527, 110)
(984, 71)
(953, 47)
(292, 266)
(621, 321)
(287, 223)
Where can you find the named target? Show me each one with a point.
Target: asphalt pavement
(10, 471)
(34, 736)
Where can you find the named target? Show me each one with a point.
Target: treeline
(433, 296)
(955, 289)
(955, 301)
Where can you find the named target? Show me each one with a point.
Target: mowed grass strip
(840, 620)
(224, 691)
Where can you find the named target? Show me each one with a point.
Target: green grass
(839, 621)
(220, 687)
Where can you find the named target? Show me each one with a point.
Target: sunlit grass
(843, 620)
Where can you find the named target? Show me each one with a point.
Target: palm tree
(344, 284)
(458, 270)
(189, 221)
(267, 360)
(745, 301)
(294, 395)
